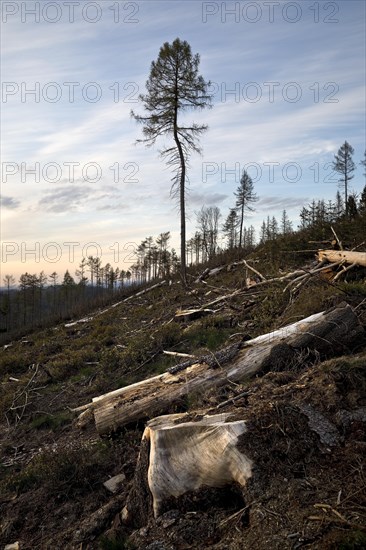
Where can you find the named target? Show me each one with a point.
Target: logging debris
(328, 333)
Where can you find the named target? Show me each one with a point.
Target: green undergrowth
(356, 540)
(51, 421)
(349, 372)
(119, 542)
(210, 333)
(67, 473)
(356, 288)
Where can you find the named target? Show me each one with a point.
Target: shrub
(120, 542)
(65, 474)
(356, 540)
(205, 334)
(51, 421)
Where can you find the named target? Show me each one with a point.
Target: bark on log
(343, 256)
(328, 333)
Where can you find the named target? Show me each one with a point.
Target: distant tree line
(39, 299)
(36, 300)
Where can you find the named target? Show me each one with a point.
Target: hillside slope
(52, 472)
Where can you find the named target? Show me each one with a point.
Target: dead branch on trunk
(251, 268)
(336, 238)
(343, 271)
(177, 354)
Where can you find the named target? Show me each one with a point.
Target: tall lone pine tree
(174, 86)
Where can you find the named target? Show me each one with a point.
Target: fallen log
(329, 333)
(192, 314)
(283, 278)
(141, 293)
(228, 267)
(320, 268)
(343, 256)
(209, 273)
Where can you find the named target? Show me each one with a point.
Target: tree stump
(178, 457)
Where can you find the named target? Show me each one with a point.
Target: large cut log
(343, 256)
(181, 456)
(330, 333)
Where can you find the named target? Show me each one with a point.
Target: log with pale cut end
(343, 256)
(181, 457)
(328, 333)
(192, 314)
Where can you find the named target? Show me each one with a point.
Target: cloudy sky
(288, 87)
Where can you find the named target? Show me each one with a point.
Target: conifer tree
(230, 228)
(362, 203)
(245, 197)
(352, 207)
(363, 163)
(343, 164)
(175, 86)
(286, 224)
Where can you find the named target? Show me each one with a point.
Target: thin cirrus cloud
(79, 197)
(268, 203)
(207, 199)
(118, 57)
(65, 199)
(9, 202)
(113, 207)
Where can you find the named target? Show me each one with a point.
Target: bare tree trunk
(343, 256)
(182, 201)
